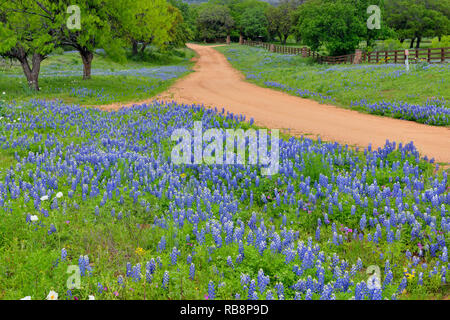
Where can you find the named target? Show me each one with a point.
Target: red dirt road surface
(215, 83)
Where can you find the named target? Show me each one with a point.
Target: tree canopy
(31, 29)
(214, 22)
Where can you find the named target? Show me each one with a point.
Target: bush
(389, 44)
(445, 42)
(58, 51)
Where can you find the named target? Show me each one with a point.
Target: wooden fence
(431, 55)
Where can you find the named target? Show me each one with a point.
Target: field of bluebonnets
(98, 191)
(420, 94)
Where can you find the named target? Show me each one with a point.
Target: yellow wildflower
(139, 251)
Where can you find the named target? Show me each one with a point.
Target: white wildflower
(52, 295)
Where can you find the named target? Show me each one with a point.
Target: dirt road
(217, 84)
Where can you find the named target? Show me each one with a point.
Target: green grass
(60, 78)
(342, 84)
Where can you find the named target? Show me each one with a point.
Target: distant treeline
(339, 26)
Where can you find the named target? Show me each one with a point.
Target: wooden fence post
(357, 57)
(442, 55)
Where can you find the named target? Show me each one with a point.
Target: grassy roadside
(384, 89)
(61, 78)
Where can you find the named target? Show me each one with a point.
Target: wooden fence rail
(430, 55)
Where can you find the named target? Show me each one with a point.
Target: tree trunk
(418, 42)
(135, 48)
(32, 74)
(144, 45)
(412, 43)
(87, 57)
(402, 40)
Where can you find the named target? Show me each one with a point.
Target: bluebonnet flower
(263, 281)
(120, 281)
(63, 254)
(192, 271)
(136, 273)
(444, 255)
(280, 290)
(129, 270)
(376, 294)
(388, 279)
(211, 291)
(52, 229)
(308, 295)
(402, 286)
(362, 222)
(83, 264)
(230, 262)
(165, 281)
(251, 289)
(162, 244)
(174, 255)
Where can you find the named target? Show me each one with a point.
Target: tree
(97, 30)
(280, 19)
(254, 23)
(415, 19)
(26, 35)
(185, 30)
(214, 22)
(370, 35)
(334, 24)
(145, 22)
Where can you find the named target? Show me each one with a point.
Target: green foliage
(418, 18)
(186, 29)
(280, 20)
(336, 25)
(254, 23)
(389, 44)
(444, 43)
(214, 22)
(19, 29)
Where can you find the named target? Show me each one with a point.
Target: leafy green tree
(214, 22)
(370, 35)
(280, 19)
(26, 35)
(334, 24)
(415, 19)
(145, 22)
(97, 30)
(185, 30)
(254, 23)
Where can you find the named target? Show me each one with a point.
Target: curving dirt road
(217, 84)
